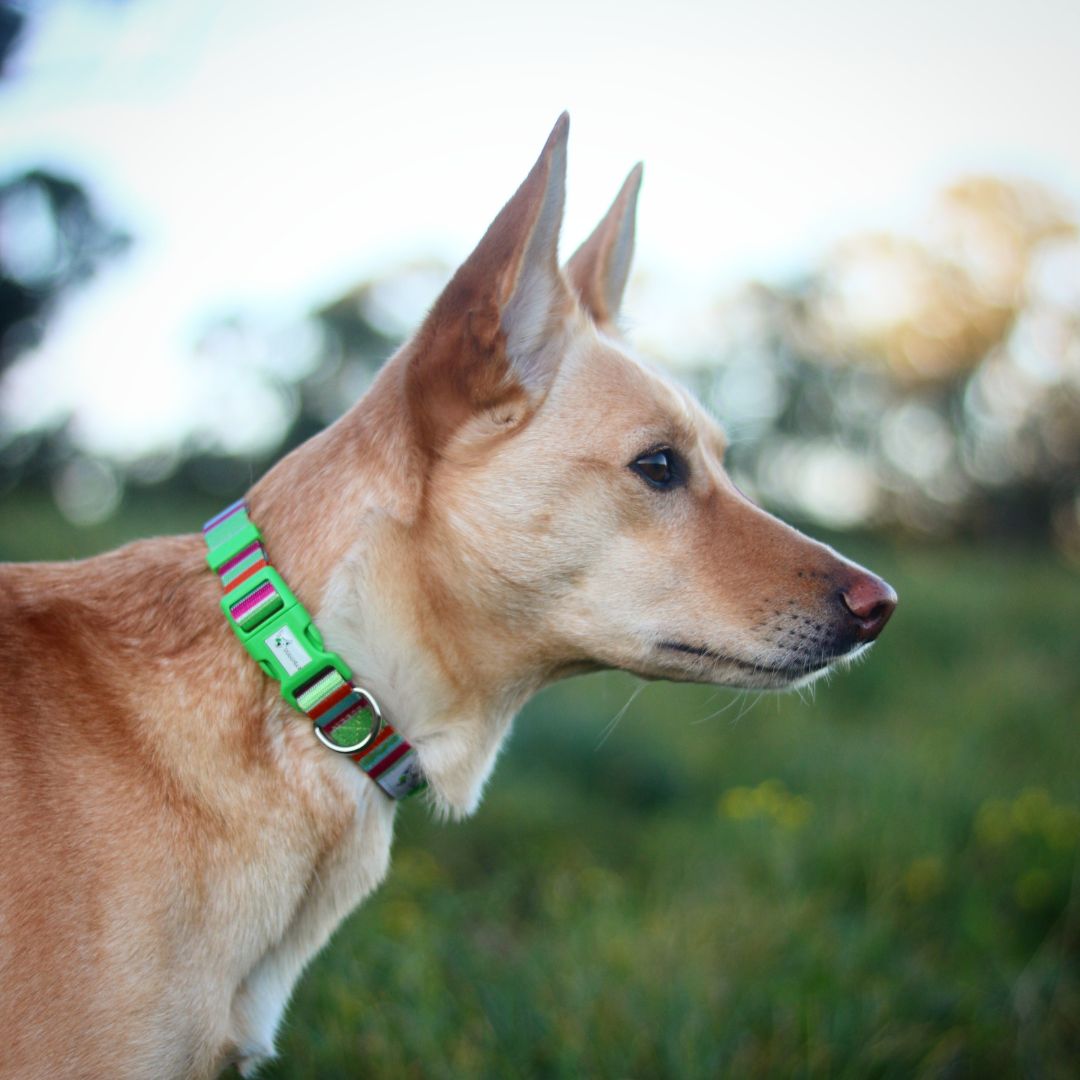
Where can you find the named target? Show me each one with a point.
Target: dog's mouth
(698, 663)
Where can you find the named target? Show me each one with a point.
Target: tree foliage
(930, 381)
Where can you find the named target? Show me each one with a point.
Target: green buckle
(279, 633)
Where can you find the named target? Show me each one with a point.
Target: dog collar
(278, 632)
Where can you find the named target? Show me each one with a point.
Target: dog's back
(90, 875)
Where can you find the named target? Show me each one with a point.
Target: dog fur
(176, 845)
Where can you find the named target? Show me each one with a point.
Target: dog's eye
(660, 468)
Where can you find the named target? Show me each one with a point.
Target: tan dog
(515, 500)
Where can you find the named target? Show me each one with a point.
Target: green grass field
(877, 881)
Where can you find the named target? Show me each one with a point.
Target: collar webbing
(278, 632)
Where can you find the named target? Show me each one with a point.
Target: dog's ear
(599, 269)
(491, 341)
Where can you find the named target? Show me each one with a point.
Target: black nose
(870, 601)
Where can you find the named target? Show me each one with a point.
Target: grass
(878, 881)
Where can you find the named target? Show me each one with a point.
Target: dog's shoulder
(147, 583)
(90, 630)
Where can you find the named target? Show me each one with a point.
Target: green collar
(278, 632)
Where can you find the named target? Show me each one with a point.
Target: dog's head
(574, 508)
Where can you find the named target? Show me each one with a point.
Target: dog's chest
(301, 909)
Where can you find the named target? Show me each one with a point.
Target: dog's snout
(870, 601)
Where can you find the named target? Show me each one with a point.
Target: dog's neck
(342, 519)
(379, 610)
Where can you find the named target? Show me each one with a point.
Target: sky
(267, 156)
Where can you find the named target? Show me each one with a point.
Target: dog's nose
(870, 601)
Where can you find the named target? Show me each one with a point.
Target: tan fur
(175, 843)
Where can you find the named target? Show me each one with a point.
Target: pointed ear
(534, 294)
(493, 335)
(599, 269)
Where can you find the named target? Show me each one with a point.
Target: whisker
(613, 723)
(719, 712)
(744, 711)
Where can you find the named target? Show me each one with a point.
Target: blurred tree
(932, 382)
(12, 21)
(52, 238)
(933, 309)
(306, 375)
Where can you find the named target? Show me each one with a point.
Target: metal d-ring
(376, 725)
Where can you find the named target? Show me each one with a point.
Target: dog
(516, 499)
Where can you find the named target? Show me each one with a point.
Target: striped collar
(278, 632)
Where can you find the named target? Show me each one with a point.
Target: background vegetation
(878, 880)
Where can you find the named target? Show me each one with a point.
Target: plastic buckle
(247, 619)
(285, 642)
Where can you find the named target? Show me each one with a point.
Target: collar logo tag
(291, 655)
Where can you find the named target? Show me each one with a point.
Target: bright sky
(268, 155)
